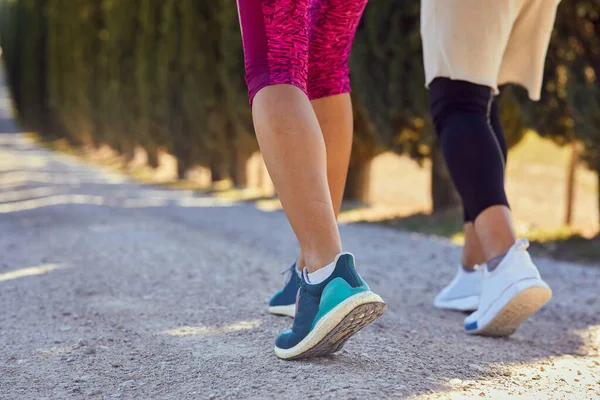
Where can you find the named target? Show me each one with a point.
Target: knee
(261, 77)
(449, 98)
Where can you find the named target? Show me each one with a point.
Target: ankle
(469, 263)
(300, 263)
(493, 263)
(498, 249)
(315, 261)
(495, 231)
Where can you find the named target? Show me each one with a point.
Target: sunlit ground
(30, 271)
(24, 194)
(185, 331)
(56, 351)
(568, 376)
(561, 376)
(14, 180)
(63, 199)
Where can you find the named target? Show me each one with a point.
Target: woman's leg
(276, 42)
(334, 114)
(332, 28)
(300, 177)
(331, 37)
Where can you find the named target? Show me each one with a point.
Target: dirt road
(113, 290)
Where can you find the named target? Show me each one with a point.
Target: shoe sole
(530, 296)
(464, 304)
(335, 328)
(288, 311)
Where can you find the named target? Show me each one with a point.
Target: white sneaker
(462, 294)
(510, 294)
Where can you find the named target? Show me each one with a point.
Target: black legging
(467, 121)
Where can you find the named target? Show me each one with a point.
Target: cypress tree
(23, 42)
(569, 108)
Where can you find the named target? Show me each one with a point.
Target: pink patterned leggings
(305, 43)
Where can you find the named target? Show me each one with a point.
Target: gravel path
(114, 290)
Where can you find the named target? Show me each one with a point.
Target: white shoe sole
(514, 306)
(288, 311)
(464, 304)
(333, 330)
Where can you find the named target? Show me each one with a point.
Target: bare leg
(495, 231)
(472, 252)
(300, 177)
(335, 118)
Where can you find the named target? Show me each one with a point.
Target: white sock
(321, 274)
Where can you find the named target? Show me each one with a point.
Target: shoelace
(291, 271)
(288, 269)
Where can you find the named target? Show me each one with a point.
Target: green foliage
(391, 105)
(584, 93)
(158, 74)
(72, 44)
(511, 117)
(10, 41)
(169, 74)
(23, 38)
(570, 99)
(569, 109)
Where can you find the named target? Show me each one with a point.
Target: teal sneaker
(329, 313)
(284, 301)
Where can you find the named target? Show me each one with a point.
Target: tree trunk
(239, 167)
(182, 168)
(128, 154)
(219, 168)
(357, 183)
(443, 194)
(153, 157)
(257, 176)
(571, 178)
(598, 178)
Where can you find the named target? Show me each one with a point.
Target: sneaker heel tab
(521, 244)
(346, 268)
(346, 259)
(345, 255)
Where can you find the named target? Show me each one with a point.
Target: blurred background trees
(167, 76)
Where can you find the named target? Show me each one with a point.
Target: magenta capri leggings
(305, 43)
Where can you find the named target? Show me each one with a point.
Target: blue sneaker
(329, 313)
(284, 301)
